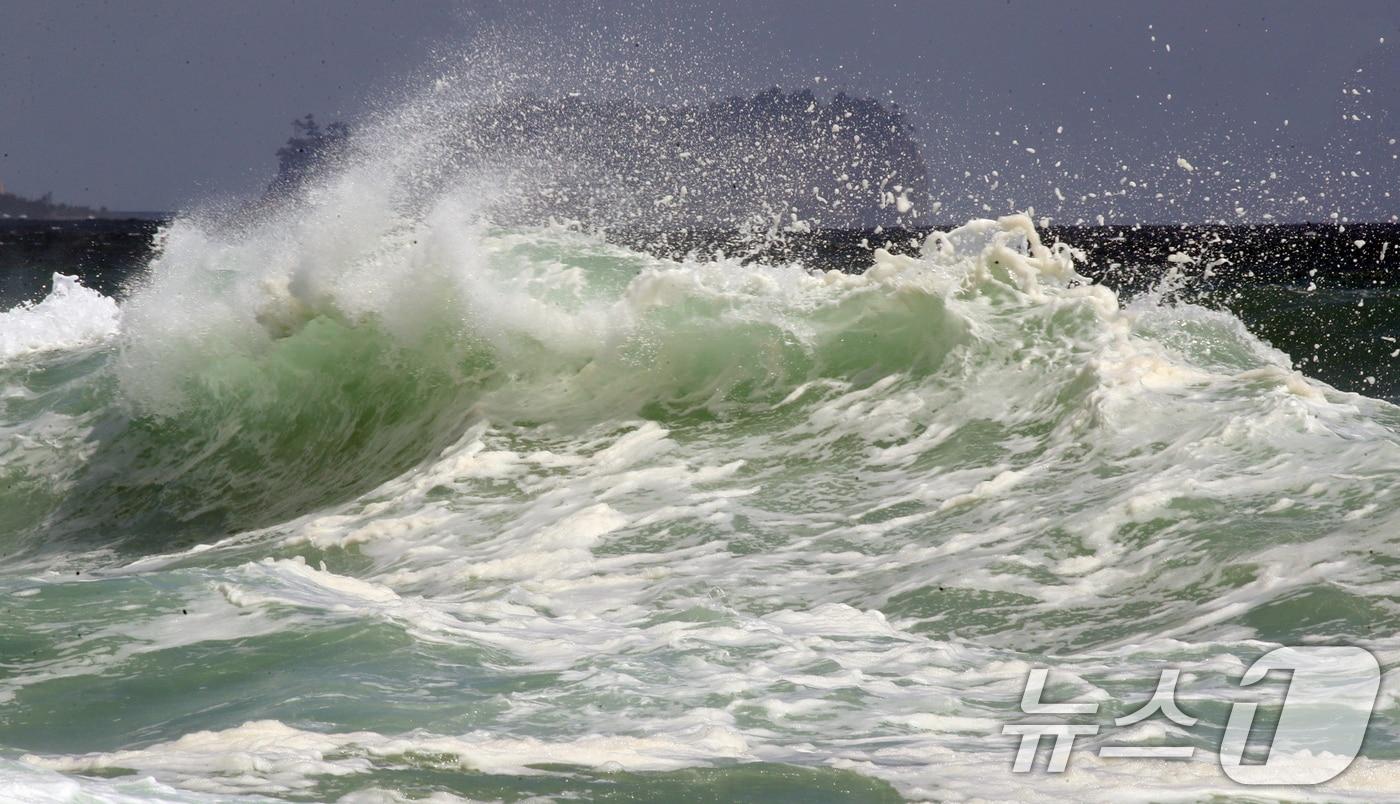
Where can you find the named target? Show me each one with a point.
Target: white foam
(270, 757)
(23, 783)
(69, 317)
(855, 567)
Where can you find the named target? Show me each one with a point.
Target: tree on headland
(307, 149)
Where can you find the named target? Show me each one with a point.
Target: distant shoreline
(1357, 255)
(947, 226)
(134, 215)
(149, 215)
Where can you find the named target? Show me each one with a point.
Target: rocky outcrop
(776, 160)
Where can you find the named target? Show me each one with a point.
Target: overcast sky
(163, 105)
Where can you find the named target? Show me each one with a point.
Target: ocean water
(367, 501)
(561, 518)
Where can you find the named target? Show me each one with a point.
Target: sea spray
(385, 490)
(687, 513)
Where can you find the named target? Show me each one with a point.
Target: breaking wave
(518, 498)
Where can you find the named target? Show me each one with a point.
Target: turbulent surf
(381, 494)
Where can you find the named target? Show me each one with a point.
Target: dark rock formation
(778, 161)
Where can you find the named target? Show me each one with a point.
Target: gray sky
(160, 105)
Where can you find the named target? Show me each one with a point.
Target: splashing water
(378, 495)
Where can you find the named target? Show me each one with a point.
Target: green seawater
(559, 519)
